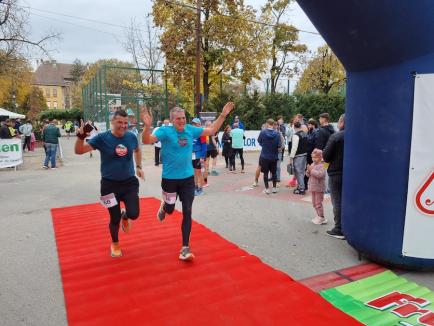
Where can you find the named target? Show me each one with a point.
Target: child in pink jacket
(317, 173)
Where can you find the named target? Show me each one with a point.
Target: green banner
(384, 299)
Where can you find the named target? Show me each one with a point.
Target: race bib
(108, 200)
(169, 197)
(193, 156)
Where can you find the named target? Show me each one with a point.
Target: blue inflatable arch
(381, 43)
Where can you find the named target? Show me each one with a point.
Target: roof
(53, 73)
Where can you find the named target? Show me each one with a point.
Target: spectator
(325, 131)
(238, 121)
(270, 141)
(316, 173)
(157, 146)
(26, 130)
(237, 135)
(5, 132)
(334, 155)
(51, 141)
(227, 148)
(298, 156)
(312, 134)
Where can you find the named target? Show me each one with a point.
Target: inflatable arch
(383, 45)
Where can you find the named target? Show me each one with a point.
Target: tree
(77, 71)
(143, 45)
(284, 47)
(324, 73)
(34, 103)
(232, 43)
(15, 82)
(15, 34)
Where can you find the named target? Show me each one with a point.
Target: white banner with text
(419, 218)
(11, 152)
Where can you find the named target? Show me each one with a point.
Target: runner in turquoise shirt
(177, 179)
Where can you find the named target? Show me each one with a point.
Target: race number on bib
(108, 200)
(169, 197)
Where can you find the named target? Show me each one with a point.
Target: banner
(250, 143)
(11, 152)
(419, 218)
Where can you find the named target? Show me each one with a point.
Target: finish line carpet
(224, 285)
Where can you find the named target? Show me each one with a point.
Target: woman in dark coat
(226, 141)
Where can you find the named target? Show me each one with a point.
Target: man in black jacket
(325, 131)
(334, 155)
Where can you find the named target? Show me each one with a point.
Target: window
(47, 92)
(49, 104)
(55, 104)
(54, 92)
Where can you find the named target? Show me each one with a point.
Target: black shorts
(213, 153)
(267, 165)
(196, 164)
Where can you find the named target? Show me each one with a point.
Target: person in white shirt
(26, 130)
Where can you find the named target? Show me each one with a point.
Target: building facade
(55, 81)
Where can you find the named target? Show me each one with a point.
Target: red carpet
(150, 286)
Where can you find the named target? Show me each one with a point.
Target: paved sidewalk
(276, 228)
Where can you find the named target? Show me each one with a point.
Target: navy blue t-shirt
(117, 162)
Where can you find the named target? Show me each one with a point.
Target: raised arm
(215, 126)
(147, 137)
(80, 146)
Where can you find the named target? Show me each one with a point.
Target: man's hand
(80, 131)
(140, 173)
(146, 116)
(228, 108)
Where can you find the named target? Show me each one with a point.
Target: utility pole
(197, 106)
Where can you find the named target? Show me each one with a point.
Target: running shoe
(318, 220)
(242, 171)
(205, 185)
(336, 234)
(115, 250)
(267, 191)
(161, 214)
(45, 167)
(198, 192)
(255, 184)
(186, 254)
(274, 190)
(125, 222)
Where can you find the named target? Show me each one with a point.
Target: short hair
(176, 109)
(313, 122)
(342, 117)
(297, 124)
(120, 113)
(270, 122)
(279, 117)
(325, 115)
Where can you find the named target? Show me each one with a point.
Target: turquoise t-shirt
(176, 150)
(237, 138)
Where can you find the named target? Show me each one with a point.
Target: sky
(83, 38)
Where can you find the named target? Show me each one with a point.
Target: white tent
(11, 115)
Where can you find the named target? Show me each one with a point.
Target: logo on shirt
(182, 141)
(121, 150)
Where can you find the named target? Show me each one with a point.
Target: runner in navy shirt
(119, 149)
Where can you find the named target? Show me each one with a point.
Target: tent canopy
(11, 115)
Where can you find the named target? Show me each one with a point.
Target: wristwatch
(139, 167)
